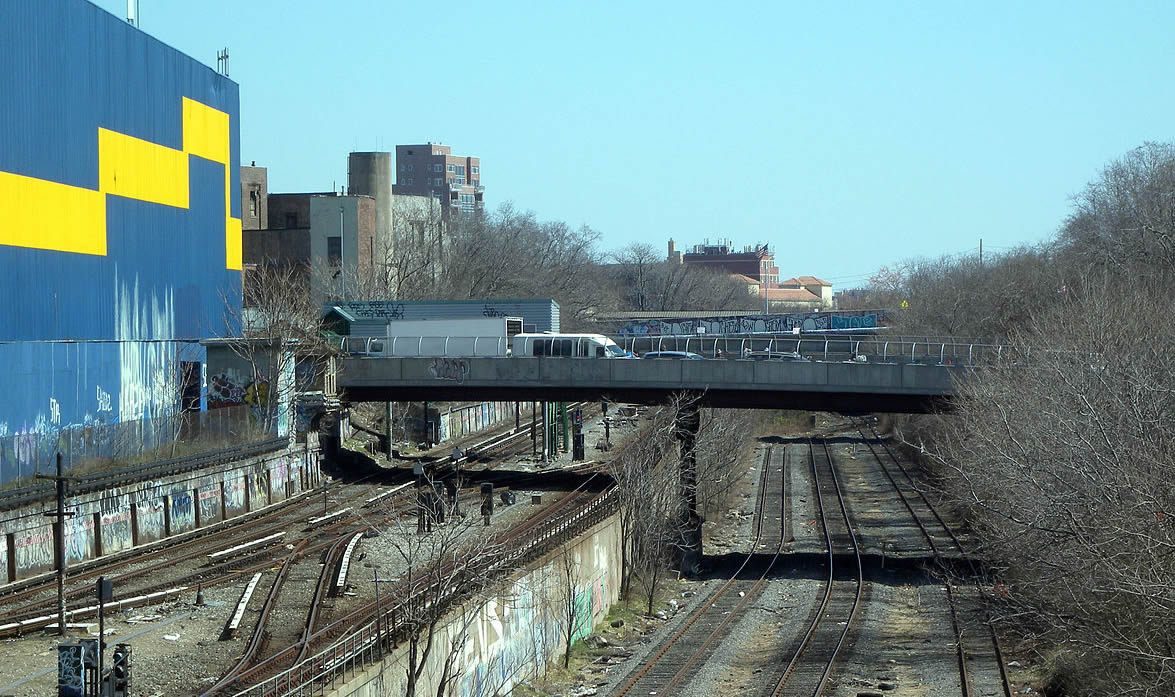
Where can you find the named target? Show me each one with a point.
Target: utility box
(71, 670)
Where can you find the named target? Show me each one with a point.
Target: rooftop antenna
(221, 61)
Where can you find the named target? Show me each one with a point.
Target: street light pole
(342, 258)
(378, 609)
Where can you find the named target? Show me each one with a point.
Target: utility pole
(981, 251)
(59, 517)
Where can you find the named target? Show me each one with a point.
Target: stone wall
(115, 520)
(514, 635)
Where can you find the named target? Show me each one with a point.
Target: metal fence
(24, 454)
(824, 348)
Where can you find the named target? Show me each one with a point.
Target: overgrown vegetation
(1062, 454)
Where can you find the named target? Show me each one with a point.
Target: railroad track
(980, 659)
(127, 573)
(679, 659)
(37, 599)
(512, 548)
(815, 654)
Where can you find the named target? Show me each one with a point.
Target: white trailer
(477, 336)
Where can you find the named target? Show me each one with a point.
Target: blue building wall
(119, 218)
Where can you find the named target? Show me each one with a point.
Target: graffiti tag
(449, 369)
(104, 401)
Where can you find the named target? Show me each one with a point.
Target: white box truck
(475, 336)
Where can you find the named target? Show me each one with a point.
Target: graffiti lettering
(104, 401)
(492, 312)
(747, 324)
(376, 310)
(54, 411)
(449, 369)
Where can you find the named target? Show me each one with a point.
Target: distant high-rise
(433, 170)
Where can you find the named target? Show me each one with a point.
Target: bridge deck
(836, 386)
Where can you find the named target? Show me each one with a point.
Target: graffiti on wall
(748, 324)
(115, 524)
(183, 513)
(455, 369)
(209, 503)
(34, 550)
(230, 388)
(149, 519)
(279, 473)
(234, 494)
(79, 538)
(374, 309)
(259, 488)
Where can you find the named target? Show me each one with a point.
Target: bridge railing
(409, 346)
(823, 348)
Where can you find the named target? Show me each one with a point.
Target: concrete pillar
(686, 426)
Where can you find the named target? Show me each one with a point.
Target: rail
(416, 346)
(823, 348)
(364, 645)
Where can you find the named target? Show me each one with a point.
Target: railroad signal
(120, 671)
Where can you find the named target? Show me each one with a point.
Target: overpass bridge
(843, 386)
(852, 377)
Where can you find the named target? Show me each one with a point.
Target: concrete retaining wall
(514, 635)
(115, 520)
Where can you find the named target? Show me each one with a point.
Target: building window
(459, 181)
(461, 169)
(438, 182)
(474, 170)
(334, 250)
(291, 220)
(450, 168)
(254, 194)
(437, 167)
(409, 181)
(474, 182)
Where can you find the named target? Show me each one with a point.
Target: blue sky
(847, 137)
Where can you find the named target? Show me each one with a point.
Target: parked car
(775, 356)
(672, 354)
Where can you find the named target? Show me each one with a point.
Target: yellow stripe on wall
(141, 170)
(205, 131)
(46, 215)
(42, 214)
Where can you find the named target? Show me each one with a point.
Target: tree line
(1061, 457)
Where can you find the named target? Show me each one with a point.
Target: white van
(571, 345)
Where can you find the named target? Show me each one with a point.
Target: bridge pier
(686, 426)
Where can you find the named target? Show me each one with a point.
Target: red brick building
(433, 170)
(754, 261)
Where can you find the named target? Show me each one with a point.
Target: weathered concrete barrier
(515, 634)
(118, 519)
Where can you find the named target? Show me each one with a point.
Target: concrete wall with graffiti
(456, 422)
(747, 324)
(120, 518)
(513, 636)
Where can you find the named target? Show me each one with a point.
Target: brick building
(756, 262)
(432, 170)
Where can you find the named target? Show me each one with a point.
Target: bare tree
(568, 600)
(282, 347)
(1061, 458)
(442, 570)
